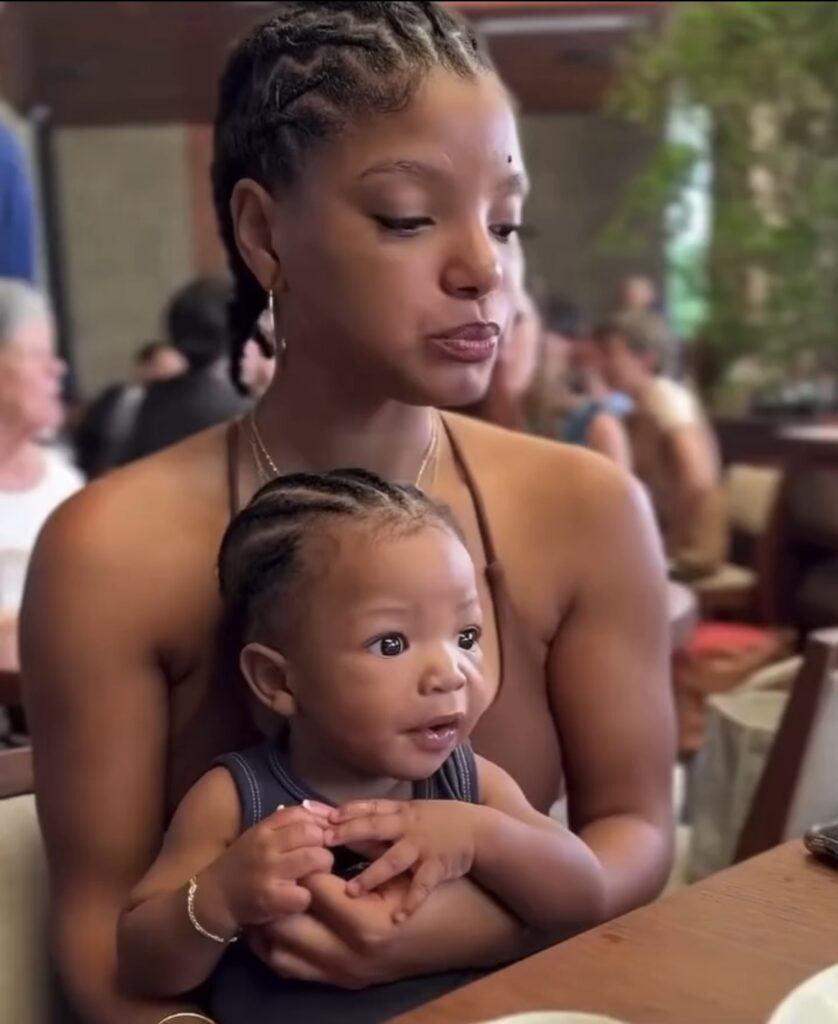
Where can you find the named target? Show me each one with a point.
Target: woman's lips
(468, 343)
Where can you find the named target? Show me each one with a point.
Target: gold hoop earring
(279, 343)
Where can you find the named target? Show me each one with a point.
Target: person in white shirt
(674, 448)
(34, 480)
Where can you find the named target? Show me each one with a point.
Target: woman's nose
(474, 269)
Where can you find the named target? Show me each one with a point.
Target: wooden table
(725, 951)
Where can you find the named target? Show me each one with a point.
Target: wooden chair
(734, 589)
(10, 689)
(16, 772)
(803, 534)
(798, 784)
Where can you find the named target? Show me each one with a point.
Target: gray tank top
(242, 989)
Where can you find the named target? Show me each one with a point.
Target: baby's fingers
(394, 862)
(427, 877)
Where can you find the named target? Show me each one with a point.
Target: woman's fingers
(396, 861)
(376, 827)
(365, 809)
(287, 898)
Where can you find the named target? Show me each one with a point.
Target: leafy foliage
(766, 73)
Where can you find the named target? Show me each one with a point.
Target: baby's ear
(266, 672)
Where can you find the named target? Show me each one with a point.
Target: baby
(356, 608)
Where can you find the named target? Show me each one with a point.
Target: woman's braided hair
(263, 552)
(297, 80)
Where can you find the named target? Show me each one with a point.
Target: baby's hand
(257, 878)
(434, 840)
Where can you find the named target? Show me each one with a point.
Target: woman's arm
(97, 707)
(607, 436)
(610, 688)
(353, 942)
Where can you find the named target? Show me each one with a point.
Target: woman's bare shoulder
(539, 471)
(161, 505)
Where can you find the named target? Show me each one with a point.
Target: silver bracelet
(196, 924)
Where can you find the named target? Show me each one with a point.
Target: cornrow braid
(263, 549)
(298, 79)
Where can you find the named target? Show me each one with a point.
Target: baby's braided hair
(263, 553)
(298, 79)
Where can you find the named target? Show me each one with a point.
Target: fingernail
(280, 807)
(313, 807)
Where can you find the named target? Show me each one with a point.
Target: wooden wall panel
(14, 55)
(113, 62)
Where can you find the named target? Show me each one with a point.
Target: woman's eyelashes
(404, 226)
(408, 227)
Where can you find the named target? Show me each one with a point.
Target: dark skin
(122, 606)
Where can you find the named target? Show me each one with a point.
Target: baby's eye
(469, 638)
(390, 646)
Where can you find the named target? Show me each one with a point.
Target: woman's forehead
(454, 126)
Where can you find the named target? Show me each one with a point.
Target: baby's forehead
(354, 560)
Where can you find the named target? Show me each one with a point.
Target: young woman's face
(396, 265)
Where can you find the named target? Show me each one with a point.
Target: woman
(33, 479)
(368, 178)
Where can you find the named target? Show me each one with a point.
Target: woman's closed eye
(391, 645)
(405, 226)
(469, 638)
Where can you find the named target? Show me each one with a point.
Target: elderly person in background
(33, 479)
(674, 448)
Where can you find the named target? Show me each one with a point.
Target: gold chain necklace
(262, 457)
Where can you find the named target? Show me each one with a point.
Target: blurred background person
(171, 410)
(158, 360)
(562, 405)
(640, 295)
(673, 446)
(34, 479)
(108, 422)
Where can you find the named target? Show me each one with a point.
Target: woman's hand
(342, 940)
(433, 840)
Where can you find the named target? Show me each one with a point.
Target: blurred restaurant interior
(674, 308)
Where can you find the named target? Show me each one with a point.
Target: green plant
(766, 76)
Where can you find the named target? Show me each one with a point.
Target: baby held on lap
(355, 608)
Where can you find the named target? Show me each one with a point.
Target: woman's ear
(252, 210)
(267, 675)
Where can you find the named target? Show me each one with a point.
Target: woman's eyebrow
(515, 183)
